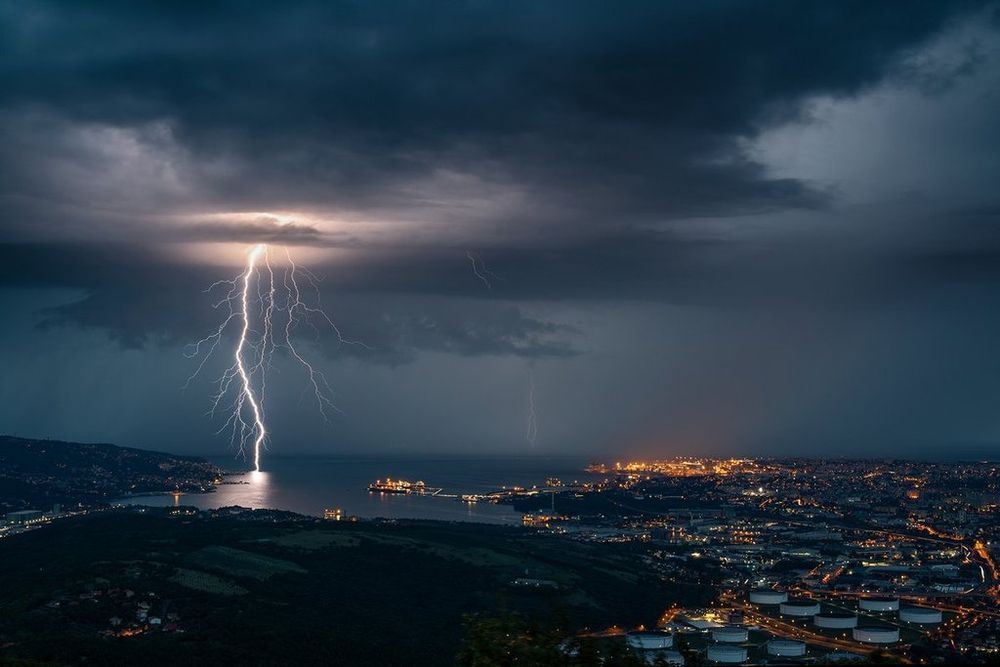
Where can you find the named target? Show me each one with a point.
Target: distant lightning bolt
(480, 270)
(277, 307)
(532, 433)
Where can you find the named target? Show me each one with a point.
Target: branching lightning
(480, 269)
(268, 311)
(246, 394)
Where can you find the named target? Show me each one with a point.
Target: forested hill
(37, 473)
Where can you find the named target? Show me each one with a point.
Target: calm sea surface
(310, 485)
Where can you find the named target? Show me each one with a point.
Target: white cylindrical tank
(799, 608)
(871, 635)
(730, 634)
(768, 596)
(727, 653)
(879, 604)
(834, 621)
(922, 615)
(650, 639)
(786, 647)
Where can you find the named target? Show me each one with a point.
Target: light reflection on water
(310, 485)
(258, 492)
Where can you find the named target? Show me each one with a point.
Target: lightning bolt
(480, 270)
(269, 311)
(532, 433)
(247, 391)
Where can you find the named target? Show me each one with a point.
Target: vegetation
(506, 640)
(259, 587)
(34, 474)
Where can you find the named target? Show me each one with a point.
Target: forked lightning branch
(265, 307)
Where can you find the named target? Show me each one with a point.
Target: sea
(310, 485)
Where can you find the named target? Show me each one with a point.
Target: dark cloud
(140, 296)
(591, 116)
(402, 300)
(686, 244)
(545, 134)
(392, 331)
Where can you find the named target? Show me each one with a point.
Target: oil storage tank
(786, 648)
(767, 596)
(874, 635)
(730, 634)
(922, 615)
(800, 608)
(727, 653)
(650, 639)
(835, 621)
(879, 604)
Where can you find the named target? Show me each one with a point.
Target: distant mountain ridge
(36, 473)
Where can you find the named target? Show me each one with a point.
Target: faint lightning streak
(212, 340)
(316, 378)
(300, 304)
(475, 269)
(532, 433)
(480, 270)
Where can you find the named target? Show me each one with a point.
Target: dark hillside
(37, 473)
(258, 588)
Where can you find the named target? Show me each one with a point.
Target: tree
(506, 639)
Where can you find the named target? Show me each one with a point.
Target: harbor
(477, 489)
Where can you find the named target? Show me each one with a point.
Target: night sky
(715, 227)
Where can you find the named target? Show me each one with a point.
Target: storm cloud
(495, 119)
(795, 169)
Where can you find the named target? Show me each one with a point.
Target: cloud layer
(782, 161)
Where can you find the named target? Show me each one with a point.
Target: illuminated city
(791, 558)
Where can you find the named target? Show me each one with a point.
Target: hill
(257, 587)
(38, 473)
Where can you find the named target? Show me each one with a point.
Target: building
(25, 516)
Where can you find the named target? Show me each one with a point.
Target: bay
(310, 485)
